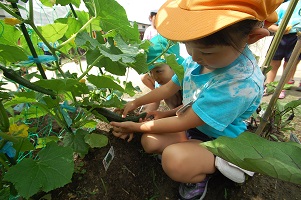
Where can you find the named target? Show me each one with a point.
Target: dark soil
(135, 175)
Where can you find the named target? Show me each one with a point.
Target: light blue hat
(159, 45)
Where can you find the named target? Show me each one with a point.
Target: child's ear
(256, 34)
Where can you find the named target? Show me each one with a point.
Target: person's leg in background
(148, 81)
(271, 75)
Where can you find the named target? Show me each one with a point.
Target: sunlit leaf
(9, 34)
(96, 140)
(113, 17)
(53, 32)
(42, 142)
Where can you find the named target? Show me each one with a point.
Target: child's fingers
(131, 135)
(115, 124)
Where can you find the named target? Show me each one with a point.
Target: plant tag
(108, 158)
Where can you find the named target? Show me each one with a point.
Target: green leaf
(52, 170)
(96, 140)
(12, 53)
(77, 141)
(140, 65)
(251, 152)
(47, 3)
(10, 34)
(21, 97)
(129, 89)
(84, 39)
(42, 142)
(178, 69)
(292, 104)
(89, 124)
(113, 17)
(53, 32)
(73, 25)
(70, 85)
(103, 82)
(4, 193)
(23, 145)
(63, 2)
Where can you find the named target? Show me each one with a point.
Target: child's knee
(150, 144)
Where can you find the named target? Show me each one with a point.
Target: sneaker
(193, 191)
(291, 82)
(282, 94)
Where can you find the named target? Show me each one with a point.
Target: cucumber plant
(109, 44)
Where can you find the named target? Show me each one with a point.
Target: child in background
(286, 45)
(161, 73)
(151, 31)
(222, 85)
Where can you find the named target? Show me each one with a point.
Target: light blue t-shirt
(226, 97)
(295, 19)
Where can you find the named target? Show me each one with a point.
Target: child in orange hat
(222, 85)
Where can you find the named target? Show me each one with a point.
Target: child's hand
(128, 107)
(123, 136)
(123, 127)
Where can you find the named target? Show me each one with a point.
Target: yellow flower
(82, 80)
(12, 21)
(20, 131)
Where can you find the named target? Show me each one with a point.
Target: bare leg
(156, 143)
(271, 75)
(188, 162)
(148, 81)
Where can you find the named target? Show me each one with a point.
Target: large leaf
(113, 17)
(83, 39)
(53, 169)
(12, 53)
(53, 32)
(10, 34)
(21, 97)
(277, 159)
(104, 82)
(65, 85)
(73, 25)
(77, 141)
(96, 140)
(178, 69)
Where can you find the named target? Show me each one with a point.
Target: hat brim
(178, 24)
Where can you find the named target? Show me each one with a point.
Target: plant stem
(29, 42)
(31, 11)
(74, 35)
(73, 11)
(90, 67)
(4, 118)
(284, 78)
(279, 34)
(9, 11)
(5, 136)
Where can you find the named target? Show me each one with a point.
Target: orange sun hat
(183, 20)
